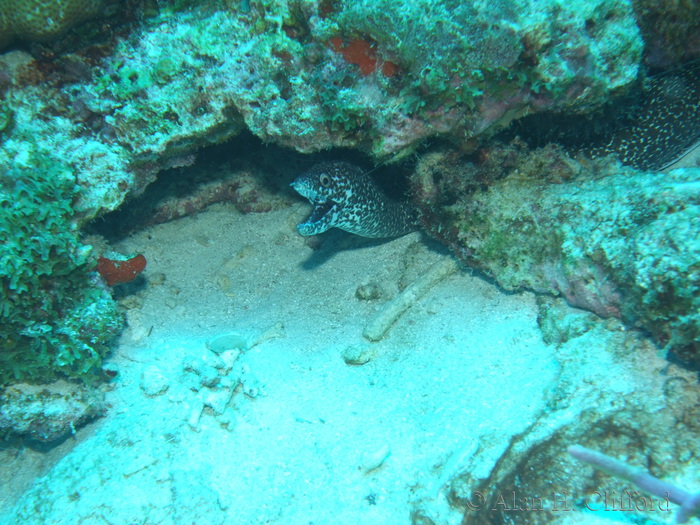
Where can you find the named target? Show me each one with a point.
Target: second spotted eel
(649, 133)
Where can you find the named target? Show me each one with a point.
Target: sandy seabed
(305, 438)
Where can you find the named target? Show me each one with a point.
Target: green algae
(57, 319)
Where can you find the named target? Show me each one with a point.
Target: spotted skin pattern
(648, 129)
(347, 198)
(667, 125)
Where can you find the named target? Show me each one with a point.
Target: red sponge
(118, 272)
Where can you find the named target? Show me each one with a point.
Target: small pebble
(368, 292)
(357, 354)
(131, 302)
(156, 279)
(251, 387)
(153, 382)
(171, 302)
(226, 342)
(110, 370)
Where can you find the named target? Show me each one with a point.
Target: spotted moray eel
(665, 126)
(345, 197)
(649, 130)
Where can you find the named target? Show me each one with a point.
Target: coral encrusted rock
(671, 30)
(377, 76)
(610, 239)
(47, 412)
(43, 20)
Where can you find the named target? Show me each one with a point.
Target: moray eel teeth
(345, 197)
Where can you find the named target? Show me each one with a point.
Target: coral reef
(312, 75)
(47, 412)
(671, 31)
(42, 20)
(57, 320)
(467, 68)
(190, 190)
(363, 54)
(610, 239)
(621, 420)
(304, 74)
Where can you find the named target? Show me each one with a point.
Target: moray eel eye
(325, 180)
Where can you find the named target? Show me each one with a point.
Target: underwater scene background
(426, 262)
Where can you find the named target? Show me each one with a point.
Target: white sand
(457, 376)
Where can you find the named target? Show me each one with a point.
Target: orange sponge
(118, 272)
(363, 54)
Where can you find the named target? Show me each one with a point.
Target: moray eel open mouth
(345, 197)
(320, 211)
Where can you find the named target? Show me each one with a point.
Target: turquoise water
(302, 262)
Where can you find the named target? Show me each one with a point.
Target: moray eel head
(345, 197)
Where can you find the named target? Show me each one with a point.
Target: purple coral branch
(690, 503)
